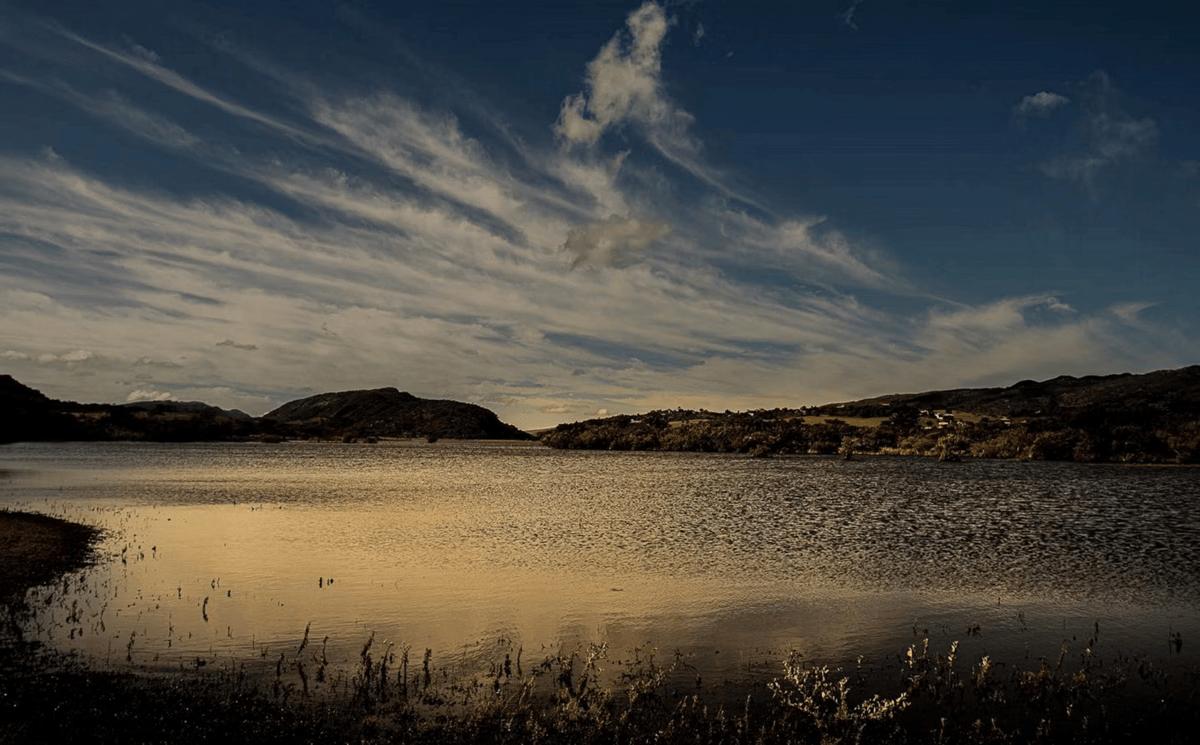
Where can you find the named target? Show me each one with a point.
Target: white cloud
(148, 394)
(623, 82)
(809, 247)
(75, 356)
(623, 85)
(1041, 103)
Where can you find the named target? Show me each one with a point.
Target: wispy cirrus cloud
(849, 13)
(1108, 135)
(369, 238)
(624, 86)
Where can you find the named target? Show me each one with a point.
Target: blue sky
(559, 209)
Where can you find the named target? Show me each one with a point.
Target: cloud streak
(373, 239)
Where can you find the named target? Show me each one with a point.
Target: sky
(567, 209)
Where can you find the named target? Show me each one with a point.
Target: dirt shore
(36, 549)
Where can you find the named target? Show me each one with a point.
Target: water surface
(226, 552)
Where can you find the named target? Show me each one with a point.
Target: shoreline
(37, 549)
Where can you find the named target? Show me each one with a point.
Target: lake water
(224, 553)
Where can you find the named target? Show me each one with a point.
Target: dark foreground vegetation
(30, 416)
(1151, 418)
(587, 697)
(922, 697)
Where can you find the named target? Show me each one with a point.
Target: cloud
(623, 83)
(613, 241)
(395, 242)
(847, 16)
(236, 345)
(1109, 136)
(149, 67)
(148, 394)
(994, 318)
(809, 247)
(66, 358)
(1042, 103)
(698, 34)
(147, 54)
(1131, 312)
(152, 362)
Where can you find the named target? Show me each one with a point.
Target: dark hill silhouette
(388, 412)
(1148, 418)
(1168, 391)
(28, 415)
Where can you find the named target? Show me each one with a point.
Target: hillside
(1148, 418)
(388, 412)
(1174, 392)
(28, 415)
(31, 416)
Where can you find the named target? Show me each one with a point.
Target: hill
(29, 415)
(32, 416)
(388, 412)
(1148, 418)
(1162, 392)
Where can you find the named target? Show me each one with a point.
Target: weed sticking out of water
(587, 696)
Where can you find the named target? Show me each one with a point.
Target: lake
(225, 553)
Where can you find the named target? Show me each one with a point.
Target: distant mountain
(388, 412)
(28, 415)
(1168, 392)
(1148, 418)
(186, 407)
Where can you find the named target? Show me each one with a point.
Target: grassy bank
(924, 695)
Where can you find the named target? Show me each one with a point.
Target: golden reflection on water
(228, 552)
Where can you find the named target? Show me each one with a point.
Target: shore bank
(36, 549)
